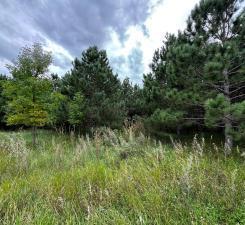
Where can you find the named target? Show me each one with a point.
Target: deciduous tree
(29, 89)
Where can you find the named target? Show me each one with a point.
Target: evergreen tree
(76, 109)
(199, 74)
(173, 98)
(58, 106)
(216, 30)
(133, 98)
(92, 85)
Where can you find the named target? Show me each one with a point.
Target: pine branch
(237, 84)
(239, 96)
(235, 68)
(231, 92)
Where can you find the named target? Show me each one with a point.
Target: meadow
(118, 177)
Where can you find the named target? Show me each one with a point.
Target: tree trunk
(228, 117)
(178, 130)
(228, 136)
(34, 136)
(34, 128)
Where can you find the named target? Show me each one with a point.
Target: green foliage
(132, 95)
(216, 109)
(172, 88)
(22, 108)
(92, 78)
(238, 112)
(28, 91)
(166, 118)
(3, 102)
(200, 72)
(57, 108)
(76, 109)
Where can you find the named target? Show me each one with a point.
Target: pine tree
(174, 100)
(92, 79)
(216, 30)
(132, 95)
(58, 105)
(198, 75)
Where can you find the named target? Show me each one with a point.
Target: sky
(129, 30)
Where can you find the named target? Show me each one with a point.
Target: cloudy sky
(130, 30)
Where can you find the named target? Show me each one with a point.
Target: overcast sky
(130, 30)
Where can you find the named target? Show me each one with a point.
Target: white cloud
(3, 63)
(168, 16)
(62, 58)
(57, 49)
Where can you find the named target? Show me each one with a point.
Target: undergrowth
(118, 178)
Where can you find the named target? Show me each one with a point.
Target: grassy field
(118, 178)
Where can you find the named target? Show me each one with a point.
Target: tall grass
(117, 178)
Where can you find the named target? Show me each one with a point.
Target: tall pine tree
(216, 30)
(92, 85)
(198, 75)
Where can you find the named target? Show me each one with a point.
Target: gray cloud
(73, 24)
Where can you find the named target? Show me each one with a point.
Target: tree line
(196, 82)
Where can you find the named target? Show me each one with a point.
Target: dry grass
(117, 178)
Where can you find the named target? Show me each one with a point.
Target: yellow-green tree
(28, 91)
